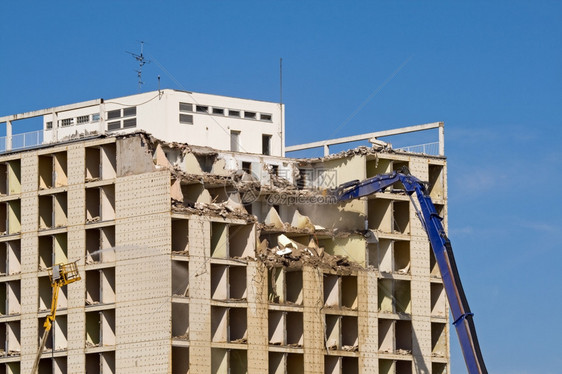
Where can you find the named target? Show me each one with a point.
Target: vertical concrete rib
(76, 318)
(257, 318)
(29, 261)
(200, 295)
(143, 273)
(367, 321)
(314, 342)
(420, 285)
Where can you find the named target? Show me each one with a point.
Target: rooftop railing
(326, 144)
(431, 149)
(21, 141)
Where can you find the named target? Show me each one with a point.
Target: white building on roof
(220, 122)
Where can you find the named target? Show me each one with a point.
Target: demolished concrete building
(207, 260)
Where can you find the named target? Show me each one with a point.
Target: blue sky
(491, 71)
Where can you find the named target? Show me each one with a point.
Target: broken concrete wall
(134, 156)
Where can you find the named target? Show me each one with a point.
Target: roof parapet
(374, 135)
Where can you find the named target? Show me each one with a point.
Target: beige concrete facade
(179, 277)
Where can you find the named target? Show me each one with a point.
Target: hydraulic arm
(59, 275)
(442, 249)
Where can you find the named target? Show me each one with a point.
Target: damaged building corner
(199, 256)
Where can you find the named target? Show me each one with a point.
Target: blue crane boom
(431, 221)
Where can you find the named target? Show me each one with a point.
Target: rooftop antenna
(142, 61)
(159, 91)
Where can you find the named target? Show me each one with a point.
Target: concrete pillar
(29, 254)
(200, 294)
(76, 318)
(8, 135)
(367, 322)
(256, 276)
(326, 149)
(55, 129)
(313, 321)
(441, 139)
(102, 118)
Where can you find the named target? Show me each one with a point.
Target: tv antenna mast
(142, 61)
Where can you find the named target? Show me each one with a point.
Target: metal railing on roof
(21, 141)
(325, 144)
(431, 149)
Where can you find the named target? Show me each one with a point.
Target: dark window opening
(186, 118)
(186, 107)
(247, 167)
(266, 144)
(129, 112)
(202, 109)
(265, 117)
(114, 114)
(251, 115)
(275, 170)
(130, 123)
(218, 111)
(114, 125)
(233, 113)
(303, 178)
(50, 125)
(235, 141)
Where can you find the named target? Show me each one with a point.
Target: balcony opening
(331, 290)
(180, 278)
(332, 365)
(180, 321)
(276, 327)
(294, 287)
(294, 329)
(180, 360)
(386, 335)
(180, 236)
(404, 337)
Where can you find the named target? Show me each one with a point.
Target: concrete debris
(350, 348)
(272, 219)
(286, 242)
(405, 270)
(224, 209)
(371, 236)
(302, 222)
(379, 145)
(207, 179)
(175, 190)
(294, 345)
(299, 223)
(213, 183)
(160, 158)
(300, 255)
(284, 251)
(282, 183)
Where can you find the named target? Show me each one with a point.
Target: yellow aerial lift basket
(59, 275)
